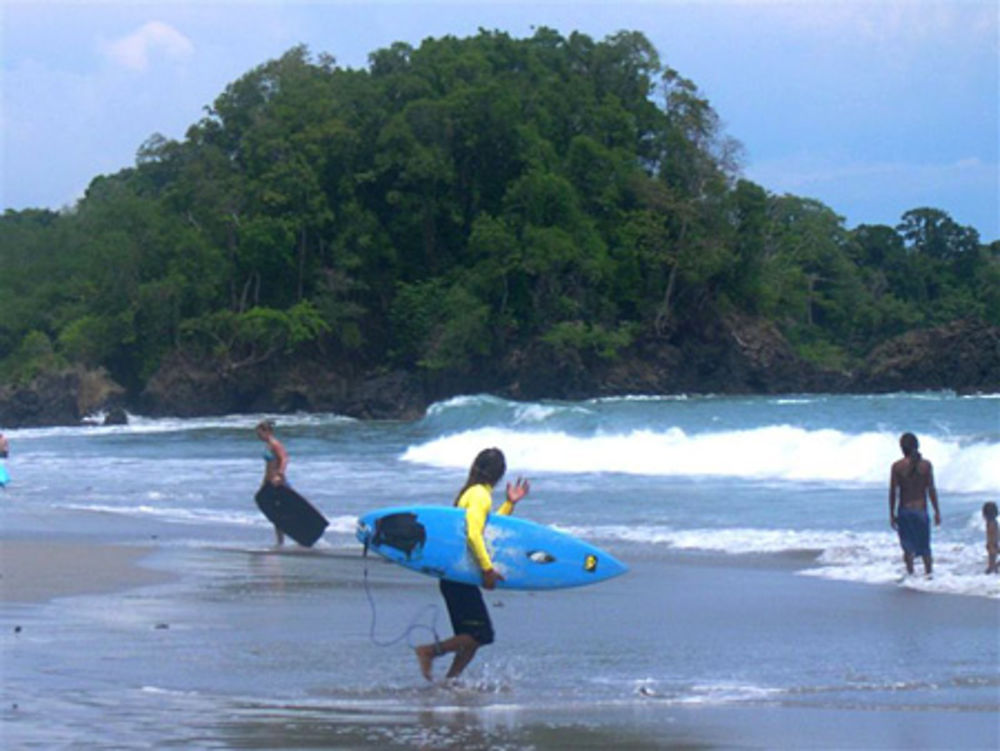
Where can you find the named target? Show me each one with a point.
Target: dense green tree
(452, 203)
(745, 284)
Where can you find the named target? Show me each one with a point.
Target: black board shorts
(467, 611)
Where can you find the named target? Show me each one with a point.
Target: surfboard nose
(610, 566)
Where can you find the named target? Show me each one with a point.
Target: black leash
(415, 624)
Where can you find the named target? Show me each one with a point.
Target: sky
(873, 107)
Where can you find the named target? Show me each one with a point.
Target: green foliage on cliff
(449, 204)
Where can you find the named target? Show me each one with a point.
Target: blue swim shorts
(914, 532)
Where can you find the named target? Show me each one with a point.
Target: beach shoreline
(35, 570)
(752, 608)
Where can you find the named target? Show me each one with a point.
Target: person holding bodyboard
(470, 619)
(288, 511)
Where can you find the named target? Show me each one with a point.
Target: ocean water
(651, 475)
(764, 575)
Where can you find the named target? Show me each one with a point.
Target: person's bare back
(914, 479)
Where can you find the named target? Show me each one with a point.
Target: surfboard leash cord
(415, 622)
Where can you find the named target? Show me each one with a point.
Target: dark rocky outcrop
(744, 355)
(184, 388)
(63, 398)
(191, 388)
(732, 355)
(116, 416)
(729, 355)
(962, 355)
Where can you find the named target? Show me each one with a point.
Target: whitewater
(646, 476)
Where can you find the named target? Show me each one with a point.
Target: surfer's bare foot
(425, 657)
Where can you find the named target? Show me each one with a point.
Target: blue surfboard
(431, 540)
(4, 475)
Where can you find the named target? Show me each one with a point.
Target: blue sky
(873, 107)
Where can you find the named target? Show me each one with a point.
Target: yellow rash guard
(478, 503)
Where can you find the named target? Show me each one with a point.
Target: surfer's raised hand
(517, 491)
(491, 577)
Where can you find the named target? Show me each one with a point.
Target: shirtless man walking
(911, 482)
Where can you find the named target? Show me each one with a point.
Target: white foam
(864, 557)
(530, 413)
(642, 398)
(777, 452)
(343, 524)
(734, 540)
(172, 514)
(137, 424)
(704, 694)
(959, 568)
(727, 693)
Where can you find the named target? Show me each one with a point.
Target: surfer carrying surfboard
(470, 620)
(275, 463)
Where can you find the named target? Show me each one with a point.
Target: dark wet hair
(990, 510)
(909, 444)
(487, 469)
(266, 425)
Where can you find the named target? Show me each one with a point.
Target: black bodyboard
(291, 513)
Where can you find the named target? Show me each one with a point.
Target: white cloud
(134, 51)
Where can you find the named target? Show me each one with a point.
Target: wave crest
(771, 453)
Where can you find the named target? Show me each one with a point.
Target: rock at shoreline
(961, 355)
(62, 398)
(193, 388)
(741, 354)
(116, 416)
(182, 388)
(730, 355)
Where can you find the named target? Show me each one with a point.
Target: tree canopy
(447, 204)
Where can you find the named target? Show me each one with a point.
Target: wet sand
(206, 663)
(37, 571)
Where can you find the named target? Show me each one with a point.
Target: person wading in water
(911, 483)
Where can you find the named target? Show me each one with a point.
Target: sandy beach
(163, 647)
(37, 571)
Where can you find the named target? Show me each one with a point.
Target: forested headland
(543, 217)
